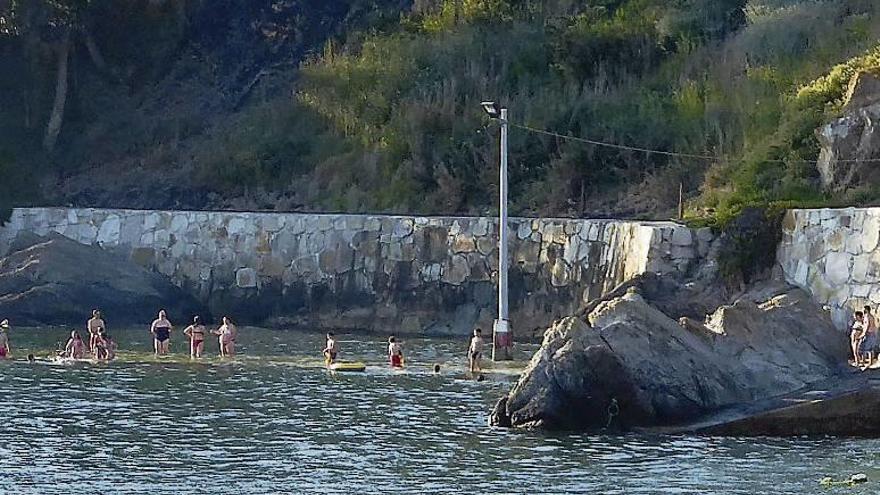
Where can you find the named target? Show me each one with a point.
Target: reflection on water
(275, 421)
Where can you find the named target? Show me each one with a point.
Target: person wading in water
(226, 336)
(5, 350)
(196, 333)
(161, 330)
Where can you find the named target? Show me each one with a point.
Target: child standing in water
(331, 350)
(475, 350)
(226, 336)
(395, 353)
(75, 348)
(196, 334)
(5, 350)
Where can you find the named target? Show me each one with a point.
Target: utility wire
(667, 153)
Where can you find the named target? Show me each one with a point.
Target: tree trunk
(54, 126)
(94, 52)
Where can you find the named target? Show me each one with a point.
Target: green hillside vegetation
(374, 106)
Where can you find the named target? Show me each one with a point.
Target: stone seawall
(835, 255)
(380, 273)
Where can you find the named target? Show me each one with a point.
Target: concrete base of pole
(502, 341)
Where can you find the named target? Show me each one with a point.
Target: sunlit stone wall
(382, 273)
(835, 255)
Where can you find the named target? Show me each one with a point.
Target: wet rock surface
(629, 362)
(48, 280)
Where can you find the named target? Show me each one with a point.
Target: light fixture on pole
(501, 338)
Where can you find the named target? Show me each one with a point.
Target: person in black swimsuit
(161, 330)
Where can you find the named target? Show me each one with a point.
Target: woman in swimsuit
(196, 334)
(75, 348)
(5, 351)
(226, 333)
(161, 330)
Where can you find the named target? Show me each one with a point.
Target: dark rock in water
(53, 280)
(628, 364)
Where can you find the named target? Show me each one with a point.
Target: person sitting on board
(855, 337)
(161, 330)
(5, 350)
(475, 350)
(395, 353)
(75, 348)
(100, 348)
(196, 333)
(110, 347)
(226, 337)
(331, 350)
(95, 325)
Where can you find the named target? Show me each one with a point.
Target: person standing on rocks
(161, 330)
(855, 337)
(95, 326)
(869, 342)
(475, 350)
(5, 350)
(196, 333)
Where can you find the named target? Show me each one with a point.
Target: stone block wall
(381, 273)
(835, 255)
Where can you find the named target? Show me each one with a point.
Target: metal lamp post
(501, 338)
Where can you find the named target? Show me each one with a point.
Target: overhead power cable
(668, 153)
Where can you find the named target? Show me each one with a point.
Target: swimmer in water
(395, 353)
(196, 333)
(226, 334)
(161, 330)
(5, 350)
(75, 348)
(331, 350)
(95, 326)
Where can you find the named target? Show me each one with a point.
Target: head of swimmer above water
(391, 339)
(74, 335)
(227, 320)
(196, 320)
(162, 314)
(96, 313)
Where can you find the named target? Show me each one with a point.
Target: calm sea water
(275, 421)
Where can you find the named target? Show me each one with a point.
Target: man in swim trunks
(475, 350)
(196, 333)
(161, 330)
(5, 350)
(395, 353)
(95, 326)
(331, 350)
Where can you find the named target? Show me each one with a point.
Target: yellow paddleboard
(354, 366)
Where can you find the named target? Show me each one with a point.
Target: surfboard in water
(353, 366)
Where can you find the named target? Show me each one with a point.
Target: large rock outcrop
(629, 364)
(854, 136)
(54, 280)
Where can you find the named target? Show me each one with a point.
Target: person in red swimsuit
(395, 353)
(196, 333)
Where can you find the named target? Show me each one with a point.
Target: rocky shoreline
(758, 365)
